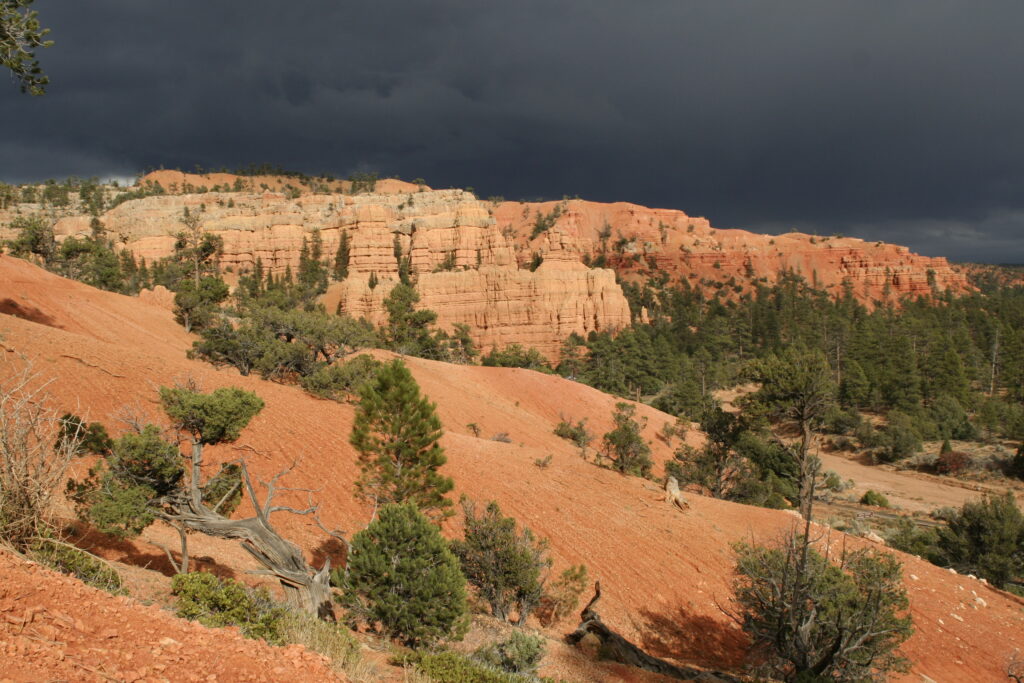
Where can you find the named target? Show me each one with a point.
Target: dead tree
(35, 453)
(617, 648)
(674, 495)
(1015, 667)
(305, 587)
(219, 417)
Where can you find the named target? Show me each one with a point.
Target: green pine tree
(506, 567)
(396, 433)
(312, 274)
(341, 257)
(403, 578)
(409, 330)
(854, 390)
(625, 445)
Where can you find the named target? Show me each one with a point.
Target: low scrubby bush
(838, 421)
(516, 356)
(898, 438)
(874, 498)
(452, 667)
(910, 538)
(562, 595)
(217, 602)
(520, 653)
(327, 638)
(953, 462)
(342, 382)
(67, 559)
(577, 433)
(506, 565)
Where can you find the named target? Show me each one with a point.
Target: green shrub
(833, 482)
(839, 421)
(92, 437)
(577, 433)
(625, 445)
(521, 653)
(867, 436)
(899, 438)
(1015, 468)
(563, 594)
(505, 566)
(116, 496)
(404, 580)
(452, 667)
(874, 498)
(986, 538)
(516, 356)
(78, 563)
(776, 501)
(951, 421)
(818, 618)
(216, 602)
(342, 382)
(910, 538)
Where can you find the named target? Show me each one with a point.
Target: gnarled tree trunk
(305, 587)
(617, 648)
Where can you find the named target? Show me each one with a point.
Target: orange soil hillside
(664, 572)
(53, 627)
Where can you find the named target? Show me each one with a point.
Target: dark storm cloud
(886, 119)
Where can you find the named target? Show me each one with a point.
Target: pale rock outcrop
(465, 269)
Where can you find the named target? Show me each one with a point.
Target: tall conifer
(396, 433)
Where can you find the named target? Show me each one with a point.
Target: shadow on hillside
(127, 552)
(331, 548)
(692, 638)
(12, 307)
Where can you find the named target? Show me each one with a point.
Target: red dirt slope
(664, 572)
(53, 627)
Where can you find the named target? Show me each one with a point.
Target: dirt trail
(664, 573)
(909, 491)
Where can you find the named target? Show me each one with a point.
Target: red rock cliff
(637, 241)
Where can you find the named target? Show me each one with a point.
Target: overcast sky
(900, 120)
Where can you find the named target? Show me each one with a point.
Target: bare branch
(306, 587)
(35, 453)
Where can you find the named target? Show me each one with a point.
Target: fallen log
(618, 649)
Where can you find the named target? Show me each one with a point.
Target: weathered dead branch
(615, 647)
